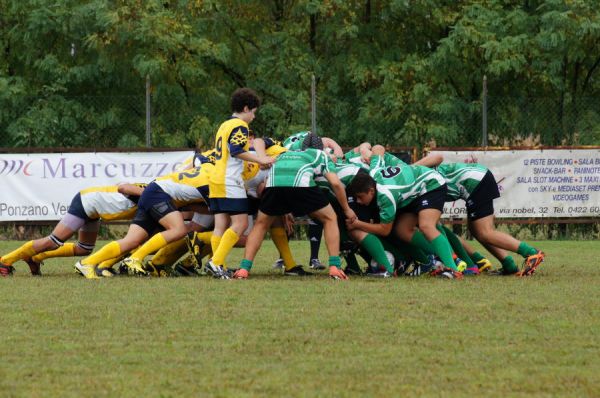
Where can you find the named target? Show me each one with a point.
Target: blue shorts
(228, 205)
(153, 205)
(76, 208)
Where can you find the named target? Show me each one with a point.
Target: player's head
(363, 188)
(243, 100)
(312, 141)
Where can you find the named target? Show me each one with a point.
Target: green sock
(417, 254)
(444, 251)
(525, 250)
(335, 261)
(477, 257)
(395, 250)
(509, 266)
(421, 242)
(458, 247)
(373, 245)
(246, 264)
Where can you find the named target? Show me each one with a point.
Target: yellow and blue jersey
(188, 186)
(253, 176)
(231, 140)
(198, 159)
(107, 203)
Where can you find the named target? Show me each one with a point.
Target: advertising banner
(544, 183)
(38, 186)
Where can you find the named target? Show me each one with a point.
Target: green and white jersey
(345, 173)
(299, 169)
(385, 161)
(294, 141)
(352, 157)
(399, 185)
(461, 178)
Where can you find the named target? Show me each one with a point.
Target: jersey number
(189, 174)
(219, 148)
(390, 172)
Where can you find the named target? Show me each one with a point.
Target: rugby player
(88, 207)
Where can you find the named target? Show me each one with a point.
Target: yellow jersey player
(157, 207)
(228, 200)
(88, 207)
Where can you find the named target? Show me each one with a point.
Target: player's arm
(431, 160)
(377, 229)
(376, 159)
(337, 150)
(237, 143)
(253, 157)
(260, 146)
(340, 194)
(365, 152)
(130, 189)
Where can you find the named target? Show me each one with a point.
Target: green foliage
(391, 71)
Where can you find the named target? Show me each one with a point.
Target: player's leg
(134, 237)
(55, 241)
(222, 222)
(457, 246)
(428, 219)
(315, 233)
(261, 226)
(327, 217)
(239, 223)
(280, 239)
(483, 264)
(484, 231)
(169, 254)
(509, 266)
(174, 229)
(373, 245)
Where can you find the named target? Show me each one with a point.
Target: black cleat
(297, 271)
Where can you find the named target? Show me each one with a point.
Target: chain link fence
(177, 121)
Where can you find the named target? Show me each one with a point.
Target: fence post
(484, 132)
(313, 105)
(148, 119)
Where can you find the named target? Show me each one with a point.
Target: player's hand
(266, 162)
(288, 223)
(350, 215)
(337, 273)
(352, 224)
(241, 274)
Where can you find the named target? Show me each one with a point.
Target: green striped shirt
(294, 141)
(399, 185)
(461, 178)
(299, 169)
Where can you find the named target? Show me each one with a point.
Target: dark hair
(361, 183)
(312, 141)
(244, 97)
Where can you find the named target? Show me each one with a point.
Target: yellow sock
(66, 250)
(205, 237)
(106, 264)
(215, 241)
(281, 242)
(108, 251)
(152, 245)
(228, 240)
(24, 251)
(170, 253)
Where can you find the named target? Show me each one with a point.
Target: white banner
(41, 186)
(537, 183)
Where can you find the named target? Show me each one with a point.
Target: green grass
(485, 336)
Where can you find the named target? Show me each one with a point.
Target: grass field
(270, 335)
